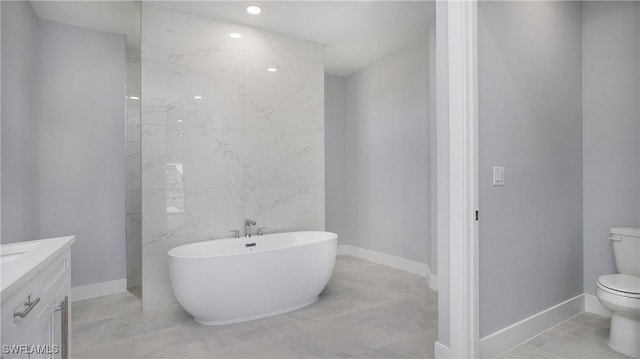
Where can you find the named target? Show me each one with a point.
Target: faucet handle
(236, 233)
(261, 230)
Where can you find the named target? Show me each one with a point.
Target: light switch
(498, 176)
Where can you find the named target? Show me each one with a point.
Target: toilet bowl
(620, 293)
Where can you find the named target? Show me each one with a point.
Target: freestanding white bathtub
(234, 280)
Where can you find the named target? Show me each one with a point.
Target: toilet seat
(620, 284)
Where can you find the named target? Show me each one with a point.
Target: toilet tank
(626, 249)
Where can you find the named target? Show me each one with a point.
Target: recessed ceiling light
(197, 97)
(180, 135)
(134, 97)
(254, 10)
(235, 35)
(272, 69)
(179, 121)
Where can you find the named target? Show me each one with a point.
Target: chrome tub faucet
(247, 227)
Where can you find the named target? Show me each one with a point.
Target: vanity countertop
(21, 261)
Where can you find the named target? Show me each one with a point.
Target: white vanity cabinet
(36, 312)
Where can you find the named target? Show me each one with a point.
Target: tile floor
(583, 336)
(137, 291)
(366, 311)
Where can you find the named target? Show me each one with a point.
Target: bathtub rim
(332, 236)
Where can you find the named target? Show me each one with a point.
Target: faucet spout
(247, 227)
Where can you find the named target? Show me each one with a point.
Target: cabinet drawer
(41, 289)
(13, 327)
(54, 275)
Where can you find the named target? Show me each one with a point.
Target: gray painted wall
(530, 122)
(335, 161)
(80, 120)
(387, 155)
(610, 50)
(19, 196)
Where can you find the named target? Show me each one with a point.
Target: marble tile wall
(223, 139)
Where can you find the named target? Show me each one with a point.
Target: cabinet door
(45, 323)
(50, 325)
(61, 329)
(56, 332)
(29, 338)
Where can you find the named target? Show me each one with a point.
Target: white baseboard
(98, 289)
(402, 264)
(432, 279)
(501, 341)
(592, 305)
(441, 351)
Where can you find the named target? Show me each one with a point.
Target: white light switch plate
(498, 176)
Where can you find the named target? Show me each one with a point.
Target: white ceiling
(355, 33)
(122, 17)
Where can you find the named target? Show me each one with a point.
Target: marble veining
(222, 138)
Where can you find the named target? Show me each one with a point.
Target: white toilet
(620, 293)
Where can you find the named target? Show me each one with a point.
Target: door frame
(458, 248)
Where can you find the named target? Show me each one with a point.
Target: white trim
(593, 306)
(432, 279)
(343, 249)
(433, 149)
(98, 289)
(441, 350)
(442, 176)
(504, 339)
(463, 178)
(388, 260)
